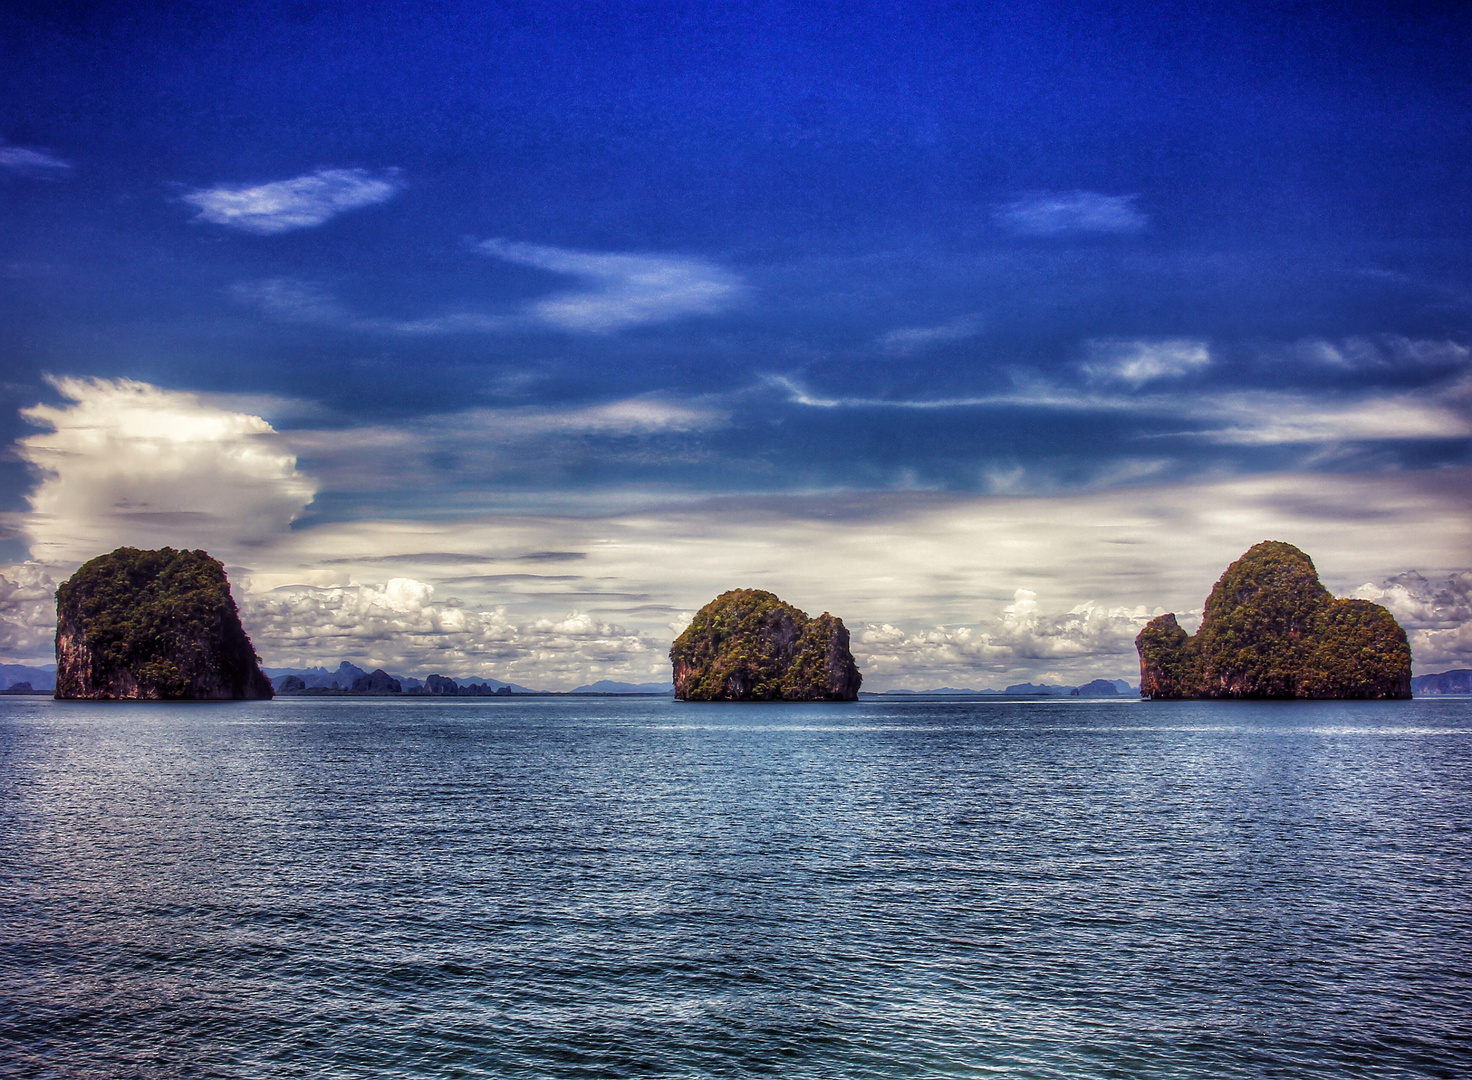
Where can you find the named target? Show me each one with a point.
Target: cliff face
(153, 625)
(1271, 630)
(747, 645)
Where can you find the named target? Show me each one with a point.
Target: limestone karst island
(1271, 630)
(748, 645)
(162, 625)
(153, 626)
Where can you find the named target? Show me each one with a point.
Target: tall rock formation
(747, 645)
(153, 625)
(378, 682)
(1271, 630)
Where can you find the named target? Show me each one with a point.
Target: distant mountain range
(1458, 681)
(345, 674)
(604, 686)
(43, 677)
(1097, 688)
(40, 678)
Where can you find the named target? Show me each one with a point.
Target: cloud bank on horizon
(990, 332)
(938, 589)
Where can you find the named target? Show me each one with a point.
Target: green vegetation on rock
(153, 625)
(748, 645)
(1271, 630)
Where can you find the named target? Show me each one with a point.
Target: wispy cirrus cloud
(33, 164)
(300, 203)
(1383, 352)
(291, 300)
(621, 290)
(1240, 418)
(1058, 213)
(485, 447)
(1139, 361)
(1265, 418)
(912, 339)
(310, 304)
(795, 392)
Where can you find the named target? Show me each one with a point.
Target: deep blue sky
(1298, 173)
(1008, 248)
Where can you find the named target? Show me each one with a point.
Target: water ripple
(603, 888)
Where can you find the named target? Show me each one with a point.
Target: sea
(605, 887)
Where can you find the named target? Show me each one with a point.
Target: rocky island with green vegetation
(153, 626)
(748, 645)
(1271, 630)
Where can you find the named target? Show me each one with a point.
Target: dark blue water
(603, 888)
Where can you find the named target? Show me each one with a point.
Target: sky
(495, 340)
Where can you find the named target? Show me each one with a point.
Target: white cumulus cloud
(620, 289)
(130, 463)
(27, 612)
(401, 626)
(1437, 615)
(1057, 213)
(1023, 638)
(1096, 563)
(299, 203)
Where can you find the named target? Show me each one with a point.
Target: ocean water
(611, 888)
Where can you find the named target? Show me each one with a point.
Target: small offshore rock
(749, 645)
